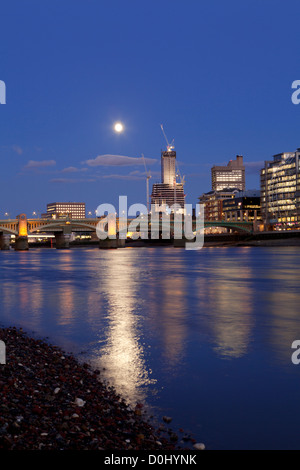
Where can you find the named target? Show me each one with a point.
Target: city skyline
(67, 86)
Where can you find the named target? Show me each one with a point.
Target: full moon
(118, 127)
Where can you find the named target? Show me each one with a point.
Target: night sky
(218, 75)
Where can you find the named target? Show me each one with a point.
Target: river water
(201, 336)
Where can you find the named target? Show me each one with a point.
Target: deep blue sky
(217, 74)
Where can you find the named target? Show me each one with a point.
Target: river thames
(201, 336)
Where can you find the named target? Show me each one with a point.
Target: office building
(280, 191)
(243, 207)
(230, 176)
(213, 203)
(59, 210)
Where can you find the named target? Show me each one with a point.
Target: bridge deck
(11, 226)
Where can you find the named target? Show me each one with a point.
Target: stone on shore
(49, 401)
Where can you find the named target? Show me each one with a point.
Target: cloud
(118, 160)
(135, 175)
(73, 169)
(197, 175)
(123, 177)
(32, 164)
(17, 149)
(254, 167)
(153, 174)
(69, 180)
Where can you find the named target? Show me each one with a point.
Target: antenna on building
(170, 146)
(148, 176)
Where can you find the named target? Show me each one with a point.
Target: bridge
(21, 228)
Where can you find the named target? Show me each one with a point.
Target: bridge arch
(56, 226)
(243, 227)
(8, 231)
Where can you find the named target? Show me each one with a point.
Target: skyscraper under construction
(168, 193)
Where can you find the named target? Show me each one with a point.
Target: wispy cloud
(73, 169)
(70, 180)
(122, 177)
(33, 164)
(17, 149)
(197, 175)
(254, 167)
(118, 160)
(135, 175)
(132, 176)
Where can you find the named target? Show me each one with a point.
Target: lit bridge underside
(234, 225)
(67, 226)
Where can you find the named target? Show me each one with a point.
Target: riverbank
(249, 242)
(275, 238)
(49, 401)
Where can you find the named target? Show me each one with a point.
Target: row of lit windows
(288, 219)
(70, 208)
(281, 189)
(228, 178)
(226, 172)
(237, 185)
(285, 180)
(289, 207)
(281, 168)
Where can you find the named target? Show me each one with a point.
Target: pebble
(167, 419)
(47, 420)
(79, 402)
(199, 446)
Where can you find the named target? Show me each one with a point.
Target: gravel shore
(51, 401)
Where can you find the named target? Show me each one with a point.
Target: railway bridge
(22, 228)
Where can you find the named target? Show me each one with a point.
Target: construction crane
(178, 174)
(148, 176)
(170, 146)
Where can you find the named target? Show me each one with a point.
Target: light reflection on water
(229, 293)
(122, 352)
(205, 336)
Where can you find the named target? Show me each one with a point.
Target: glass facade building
(280, 191)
